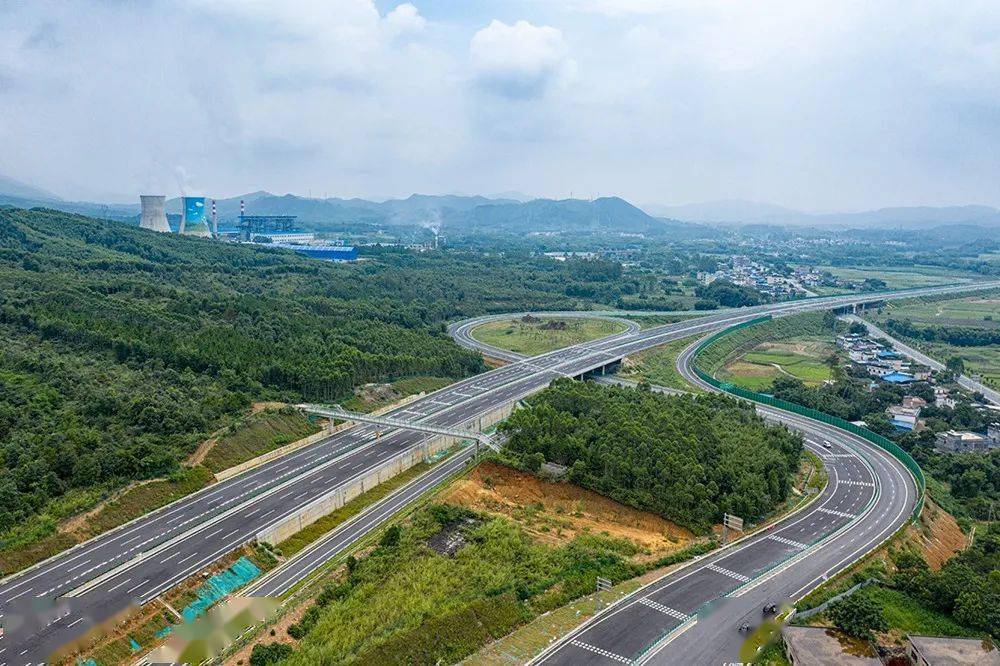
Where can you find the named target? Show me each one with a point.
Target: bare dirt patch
(556, 512)
(938, 535)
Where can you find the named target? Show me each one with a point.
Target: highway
(137, 562)
(868, 497)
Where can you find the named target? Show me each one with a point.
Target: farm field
(804, 359)
(973, 312)
(897, 277)
(539, 335)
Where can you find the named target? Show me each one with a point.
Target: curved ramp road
(461, 331)
(691, 616)
(46, 607)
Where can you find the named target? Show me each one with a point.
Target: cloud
(404, 20)
(829, 104)
(520, 61)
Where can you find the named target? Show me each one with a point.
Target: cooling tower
(193, 217)
(153, 216)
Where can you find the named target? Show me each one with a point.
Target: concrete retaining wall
(281, 451)
(338, 497)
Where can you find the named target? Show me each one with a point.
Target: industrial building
(193, 218)
(324, 252)
(153, 216)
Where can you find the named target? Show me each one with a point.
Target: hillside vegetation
(124, 348)
(688, 459)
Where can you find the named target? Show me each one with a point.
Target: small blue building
(899, 378)
(324, 252)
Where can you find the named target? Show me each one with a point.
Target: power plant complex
(276, 231)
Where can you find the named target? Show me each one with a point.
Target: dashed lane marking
(787, 542)
(858, 483)
(726, 572)
(666, 610)
(603, 653)
(837, 513)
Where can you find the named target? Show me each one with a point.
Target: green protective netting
(767, 399)
(218, 586)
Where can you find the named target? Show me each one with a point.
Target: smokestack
(153, 216)
(215, 221)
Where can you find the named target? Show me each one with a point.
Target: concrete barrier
(341, 495)
(281, 451)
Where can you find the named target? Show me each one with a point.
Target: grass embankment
(370, 397)
(729, 348)
(258, 434)
(534, 336)
(658, 365)
(447, 582)
(802, 357)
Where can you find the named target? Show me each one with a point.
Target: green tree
(265, 654)
(858, 615)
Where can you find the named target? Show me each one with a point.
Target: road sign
(732, 522)
(603, 584)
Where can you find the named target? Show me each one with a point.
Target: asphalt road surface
(692, 615)
(54, 603)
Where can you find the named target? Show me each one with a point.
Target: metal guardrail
(880, 441)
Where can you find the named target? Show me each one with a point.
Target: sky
(820, 106)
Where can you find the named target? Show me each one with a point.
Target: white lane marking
(666, 610)
(77, 566)
(836, 513)
(167, 559)
(186, 558)
(603, 653)
(112, 589)
(726, 572)
(136, 587)
(787, 542)
(75, 622)
(859, 483)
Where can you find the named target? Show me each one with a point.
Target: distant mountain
(737, 211)
(605, 215)
(15, 188)
(730, 211)
(915, 217)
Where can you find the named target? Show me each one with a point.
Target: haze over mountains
(737, 211)
(514, 212)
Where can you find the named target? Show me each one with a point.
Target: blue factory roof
(329, 252)
(899, 378)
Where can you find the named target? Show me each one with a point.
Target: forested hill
(689, 459)
(123, 347)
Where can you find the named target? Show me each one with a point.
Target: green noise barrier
(771, 401)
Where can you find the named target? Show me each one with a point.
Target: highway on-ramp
(57, 601)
